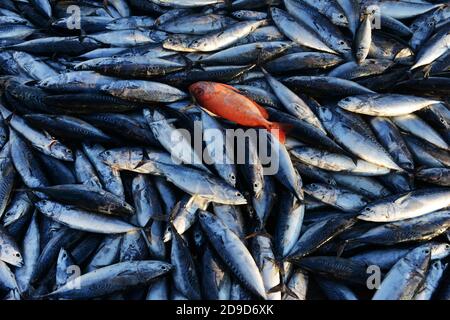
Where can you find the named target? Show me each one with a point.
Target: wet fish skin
(289, 224)
(385, 105)
(327, 31)
(349, 135)
(403, 280)
(431, 281)
(109, 177)
(89, 198)
(416, 126)
(184, 275)
(294, 104)
(216, 281)
(112, 278)
(335, 290)
(197, 24)
(233, 252)
(22, 157)
(369, 67)
(69, 127)
(335, 268)
(421, 228)
(9, 252)
(436, 46)
(265, 259)
(146, 200)
(297, 32)
(205, 185)
(143, 91)
(64, 263)
(330, 86)
(31, 250)
(85, 172)
(106, 254)
(8, 174)
(438, 176)
(83, 220)
(317, 235)
(409, 205)
(391, 138)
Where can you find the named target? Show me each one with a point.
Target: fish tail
(279, 130)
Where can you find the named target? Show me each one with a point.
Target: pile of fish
(98, 201)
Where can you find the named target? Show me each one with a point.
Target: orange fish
(227, 102)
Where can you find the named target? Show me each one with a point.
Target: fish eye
(238, 194)
(198, 91)
(427, 251)
(341, 42)
(367, 209)
(232, 177)
(17, 255)
(447, 246)
(164, 268)
(256, 185)
(442, 120)
(341, 16)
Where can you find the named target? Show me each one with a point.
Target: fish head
(420, 256)
(202, 90)
(63, 257)
(339, 19)
(378, 212)
(48, 82)
(121, 156)
(205, 218)
(11, 255)
(151, 269)
(440, 250)
(231, 179)
(61, 152)
(353, 104)
(179, 43)
(344, 46)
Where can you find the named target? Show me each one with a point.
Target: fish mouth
(363, 217)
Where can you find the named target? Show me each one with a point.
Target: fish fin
(341, 248)
(283, 289)
(8, 118)
(174, 211)
(403, 198)
(209, 112)
(105, 6)
(189, 63)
